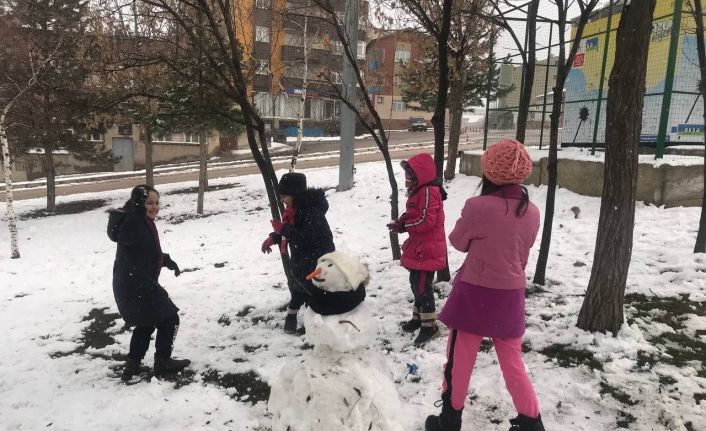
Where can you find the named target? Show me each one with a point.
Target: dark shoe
(163, 367)
(524, 423)
(427, 333)
(133, 368)
(290, 323)
(448, 420)
(411, 325)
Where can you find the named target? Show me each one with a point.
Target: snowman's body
(342, 383)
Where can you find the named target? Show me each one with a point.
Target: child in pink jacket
(496, 230)
(424, 252)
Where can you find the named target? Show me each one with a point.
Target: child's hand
(267, 245)
(171, 265)
(396, 226)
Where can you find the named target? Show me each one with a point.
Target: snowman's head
(338, 272)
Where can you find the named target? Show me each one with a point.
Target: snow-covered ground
(61, 339)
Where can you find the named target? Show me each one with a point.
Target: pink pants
(462, 350)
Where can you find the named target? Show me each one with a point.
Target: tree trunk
(10, 207)
(149, 150)
(563, 68)
(203, 180)
(456, 110)
(438, 120)
(50, 175)
(700, 246)
(541, 269)
(602, 308)
(528, 78)
(302, 99)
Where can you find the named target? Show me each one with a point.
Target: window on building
(381, 99)
(361, 50)
(337, 47)
(162, 137)
(292, 39)
(262, 4)
(397, 80)
(398, 106)
(336, 77)
(191, 138)
(262, 34)
(262, 68)
(125, 129)
(263, 104)
(95, 136)
(402, 55)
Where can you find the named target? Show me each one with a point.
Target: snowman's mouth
(319, 280)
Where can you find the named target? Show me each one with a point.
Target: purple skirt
(498, 313)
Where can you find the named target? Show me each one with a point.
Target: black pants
(299, 291)
(421, 284)
(166, 333)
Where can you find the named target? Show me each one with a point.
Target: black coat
(140, 299)
(310, 236)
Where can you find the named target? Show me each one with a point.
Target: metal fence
(673, 109)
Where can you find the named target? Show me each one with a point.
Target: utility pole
(350, 91)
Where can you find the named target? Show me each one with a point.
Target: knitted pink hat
(506, 162)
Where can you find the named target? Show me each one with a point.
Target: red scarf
(287, 218)
(155, 235)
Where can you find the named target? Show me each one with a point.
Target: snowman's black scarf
(331, 303)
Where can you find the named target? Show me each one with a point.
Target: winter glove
(396, 226)
(267, 244)
(171, 265)
(138, 199)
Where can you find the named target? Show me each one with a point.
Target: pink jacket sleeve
(463, 233)
(425, 214)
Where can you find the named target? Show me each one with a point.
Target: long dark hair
(488, 187)
(135, 191)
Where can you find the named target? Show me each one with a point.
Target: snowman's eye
(330, 265)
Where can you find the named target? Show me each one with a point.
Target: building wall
(384, 73)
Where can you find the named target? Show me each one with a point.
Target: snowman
(342, 383)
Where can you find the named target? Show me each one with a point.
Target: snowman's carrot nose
(316, 272)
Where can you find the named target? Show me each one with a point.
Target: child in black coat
(141, 300)
(305, 229)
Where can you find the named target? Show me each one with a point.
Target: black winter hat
(292, 184)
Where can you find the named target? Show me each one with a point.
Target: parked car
(417, 124)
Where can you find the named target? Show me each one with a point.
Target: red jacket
(425, 249)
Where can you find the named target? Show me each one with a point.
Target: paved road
(319, 154)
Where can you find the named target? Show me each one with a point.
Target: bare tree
(563, 68)
(366, 113)
(11, 94)
(527, 51)
(224, 52)
(697, 12)
(602, 308)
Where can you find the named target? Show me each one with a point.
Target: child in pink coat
(424, 252)
(496, 230)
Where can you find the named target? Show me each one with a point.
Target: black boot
(524, 423)
(414, 323)
(448, 420)
(133, 368)
(290, 322)
(427, 333)
(163, 367)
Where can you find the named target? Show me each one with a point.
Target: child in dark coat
(305, 230)
(141, 300)
(424, 252)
